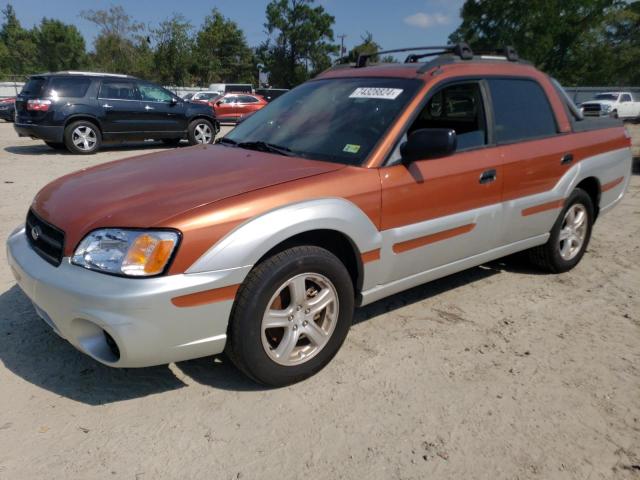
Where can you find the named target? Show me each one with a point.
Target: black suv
(78, 110)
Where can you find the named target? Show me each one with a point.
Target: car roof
(418, 69)
(68, 73)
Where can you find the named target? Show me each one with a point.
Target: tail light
(38, 105)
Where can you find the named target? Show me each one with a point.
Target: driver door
(442, 210)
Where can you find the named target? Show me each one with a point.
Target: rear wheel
(82, 137)
(201, 131)
(569, 236)
(291, 316)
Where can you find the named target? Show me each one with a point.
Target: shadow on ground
(31, 350)
(39, 148)
(636, 166)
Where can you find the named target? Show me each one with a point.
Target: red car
(231, 107)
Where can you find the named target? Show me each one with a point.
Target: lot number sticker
(377, 93)
(351, 148)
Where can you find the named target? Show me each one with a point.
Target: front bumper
(81, 305)
(43, 132)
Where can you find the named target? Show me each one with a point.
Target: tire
(255, 350)
(557, 256)
(56, 145)
(77, 132)
(201, 131)
(171, 142)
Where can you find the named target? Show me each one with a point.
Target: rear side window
(118, 90)
(33, 86)
(68, 87)
(247, 99)
(521, 110)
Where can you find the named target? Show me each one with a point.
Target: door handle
(106, 105)
(488, 176)
(147, 107)
(566, 159)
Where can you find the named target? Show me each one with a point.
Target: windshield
(336, 120)
(607, 96)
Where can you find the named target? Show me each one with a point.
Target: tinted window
(118, 90)
(521, 110)
(625, 98)
(154, 93)
(339, 120)
(33, 86)
(247, 99)
(68, 87)
(238, 88)
(459, 108)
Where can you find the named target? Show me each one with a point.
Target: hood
(145, 190)
(598, 102)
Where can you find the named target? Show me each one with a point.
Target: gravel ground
(496, 372)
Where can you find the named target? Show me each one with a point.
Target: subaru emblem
(35, 232)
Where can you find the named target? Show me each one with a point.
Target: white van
(231, 87)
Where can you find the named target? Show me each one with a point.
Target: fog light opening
(113, 346)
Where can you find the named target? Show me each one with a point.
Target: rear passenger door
(535, 156)
(119, 103)
(438, 211)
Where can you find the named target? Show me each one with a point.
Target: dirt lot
(496, 372)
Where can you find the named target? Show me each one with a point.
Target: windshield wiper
(227, 141)
(266, 147)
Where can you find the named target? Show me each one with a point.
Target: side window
(247, 99)
(458, 107)
(154, 93)
(521, 110)
(230, 99)
(68, 87)
(625, 98)
(118, 90)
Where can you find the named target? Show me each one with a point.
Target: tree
(300, 44)
(221, 52)
(19, 53)
(121, 46)
(368, 45)
(173, 51)
(565, 38)
(60, 46)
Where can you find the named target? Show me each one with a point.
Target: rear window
(521, 110)
(33, 86)
(68, 87)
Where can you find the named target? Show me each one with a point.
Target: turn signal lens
(148, 255)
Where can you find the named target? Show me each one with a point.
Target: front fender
(247, 243)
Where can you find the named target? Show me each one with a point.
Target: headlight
(606, 107)
(126, 252)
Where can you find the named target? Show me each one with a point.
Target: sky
(394, 24)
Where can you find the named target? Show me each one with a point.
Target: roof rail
(462, 50)
(508, 51)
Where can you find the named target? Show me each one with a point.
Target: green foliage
(580, 42)
(301, 41)
(19, 53)
(60, 46)
(368, 45)
(221, 53)
(173, 51)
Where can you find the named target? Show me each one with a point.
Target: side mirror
(218, 103)
(428, 143)
(174, 100)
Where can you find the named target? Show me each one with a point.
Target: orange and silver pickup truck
(366, 181)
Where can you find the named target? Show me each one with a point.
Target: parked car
(616, 104)
(270, 94)
(354, 186)
(203, 96)
(7, 108)
(232, 107)
(78, 110)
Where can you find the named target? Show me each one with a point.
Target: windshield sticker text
(377, 93)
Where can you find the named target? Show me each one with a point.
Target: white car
(616, 104)
(203, 96)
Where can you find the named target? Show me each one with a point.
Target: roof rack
(461, 50)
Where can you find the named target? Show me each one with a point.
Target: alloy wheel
(573, 232)
(84, 138)
(202, 133)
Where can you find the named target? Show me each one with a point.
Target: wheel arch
(83, 116)
(591, 185)
(332, 223)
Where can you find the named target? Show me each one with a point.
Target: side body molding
(246, 244)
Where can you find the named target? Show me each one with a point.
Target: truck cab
(622, 105)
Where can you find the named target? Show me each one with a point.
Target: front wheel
(201, 131)
(291, 316)
(569, 236)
